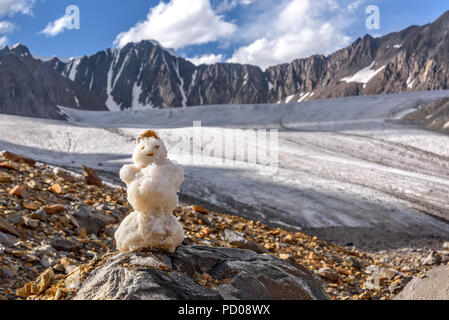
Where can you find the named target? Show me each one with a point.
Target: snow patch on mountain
(365, 75)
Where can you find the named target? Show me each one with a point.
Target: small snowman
(153, 182)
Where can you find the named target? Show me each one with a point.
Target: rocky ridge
(146, 75)
(56, 231)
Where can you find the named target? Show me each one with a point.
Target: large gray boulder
(434, 286)
(200, 273)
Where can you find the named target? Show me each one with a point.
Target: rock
(30, 222)
(18, 158)
(7, 228)
(198, 272)
(432, 259)
(91, 177)
(38, 286)
(92, 221)
(240, 242)
(54, 208)
(110, 229)
(328, 274)
(8, 165)
(64, 174)
(7, 239)
(47, 261)
(434, 286)
(16, 219)
(18, 191)
(4, 177)
(200, 209)
(30, 206)
(352, 262)
(40, 215)
(56, 188)
(446, 246)
(64, 244)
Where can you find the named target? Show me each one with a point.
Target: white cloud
(206, 59)
(299, 29)
(10, 7)
(58, 26)
(226, 5)
(179, 23)
(3, 41)
(353, 6)
(6, 27)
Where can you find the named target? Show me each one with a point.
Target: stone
(18, 158)
(64, 244)
(47, 261)
(4, 177)
(54, 208)
(91, 177)
(198, 272)
(56, 188)
(8, 165)
(18, 191)
(352, 262)
(43, 281)
(240, 242)
(64, 174)
(434, 286)
(93, 221)
(328, 274)
(200, 209)
(6, 227)
(30, 206)
(40, 215)
(446, 246)
(432, 259)
(30, 222)
(7, 239)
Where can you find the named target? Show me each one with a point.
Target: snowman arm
(128, 173)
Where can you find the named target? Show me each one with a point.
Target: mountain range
(146, 75)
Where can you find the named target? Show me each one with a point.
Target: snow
(192, 84)
(152, 185)
(342, 162)
(365, 75)
(74, 63)
(77, 101)
(304, 97)
(397, 46)
(410, 82)
(270, 86)
(181, 85)
(110, 101)
(289, 98)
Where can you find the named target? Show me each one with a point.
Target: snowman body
(152, 185)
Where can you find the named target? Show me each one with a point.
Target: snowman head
(150, 149)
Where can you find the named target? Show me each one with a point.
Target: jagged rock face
(147, 75)
(144, 75)
(30, 88)
(200, 273)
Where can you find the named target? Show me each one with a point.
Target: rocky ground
(56, 227)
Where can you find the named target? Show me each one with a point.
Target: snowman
(153, 182)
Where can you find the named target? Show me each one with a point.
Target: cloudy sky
(259, 32)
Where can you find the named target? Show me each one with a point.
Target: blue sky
(261, 32)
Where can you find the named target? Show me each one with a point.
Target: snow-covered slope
(344, 162)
